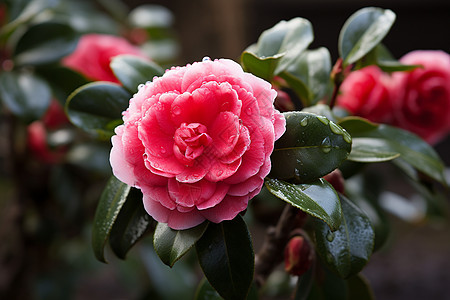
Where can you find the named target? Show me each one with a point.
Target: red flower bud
(283, 101)
(298, 256)
(336, 179)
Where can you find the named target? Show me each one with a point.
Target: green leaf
(133, 71)
(21, 12)
(97, 107)
(304, 284)
(278, 47)
(261, 67)
(363, 31)
(309, 139)
(318, 199)
(45, 43)
(359, 288)
(328, 286)
(309, 75)
(62, 80)
(347, 250)
(225, 253)
(25, 94)
(370, 150)
(171, 245)
(206, 292)
(131, 224)
(386, 61)
(364, 191)
(413, 150)
(109, 206)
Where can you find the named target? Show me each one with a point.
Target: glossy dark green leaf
(359, 288)
(97, 107)
(225, 253)
(25, 94)
(318, 199)
(278, 47)
(171, 245)
(206, 292)
(109, 206)
(328, 286)
(45, 43)
(370, 150)
(21, 12)
(386, 61)
(364, 191)
(363, 31)
(347, 250)
(309, 75)
(131, 224)
(412, 149)
(261, 67)
(62, 80)
(304, 284)
(133, 71)
(309, 139)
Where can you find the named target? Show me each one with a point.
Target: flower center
(190, 141)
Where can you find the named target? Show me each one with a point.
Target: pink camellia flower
(197, 142)
(422, 102)
(366, 93)
(94, 53)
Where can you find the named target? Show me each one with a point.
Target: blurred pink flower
(366, 93)
(422, 96)
(197, 142)
(94, 53)
(37, 133)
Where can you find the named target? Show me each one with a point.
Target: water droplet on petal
(248, 111)
(304, 122)
(176, 110)
(163, 150)
(219, 173)
(141, 86)
(206, 58)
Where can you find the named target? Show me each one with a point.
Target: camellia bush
(203, 153)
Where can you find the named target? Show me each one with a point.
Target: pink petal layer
(175, 219)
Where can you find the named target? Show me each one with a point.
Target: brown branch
(271, 252)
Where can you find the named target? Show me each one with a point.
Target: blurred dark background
(223, 28)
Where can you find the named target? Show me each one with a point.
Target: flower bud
(298, 256)
(283, 101)
(336, 179)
